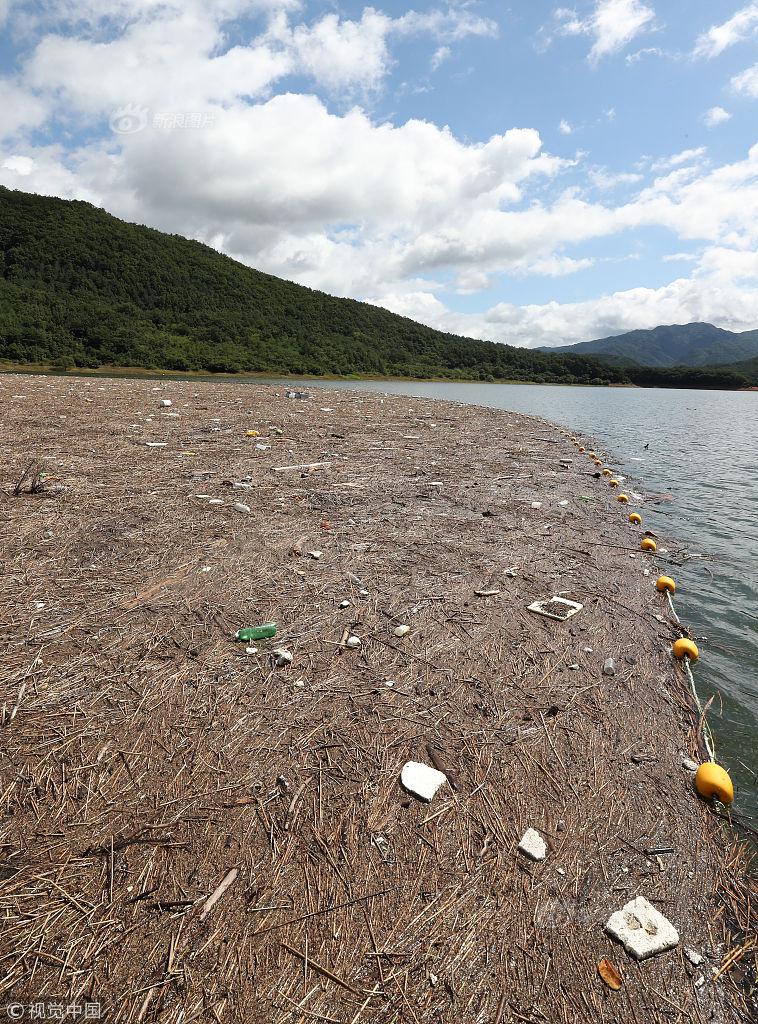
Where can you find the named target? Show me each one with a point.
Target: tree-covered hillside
(80, 288)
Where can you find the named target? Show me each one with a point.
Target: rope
(707, 734)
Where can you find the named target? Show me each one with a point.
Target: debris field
(201, 827)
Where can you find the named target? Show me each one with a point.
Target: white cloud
(447, 26)
(715, 116)
(685, 157)
(565, 128)
(719, 37)
(612, 23)
(723, 290)
(440, 55)
(19, 108)
(175, 56)
(21, 165)
(650, 51)
(603, 179)
(747, 82)
(325, 195)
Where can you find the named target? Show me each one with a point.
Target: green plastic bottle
(263, 632)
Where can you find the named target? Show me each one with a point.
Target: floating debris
(402, 630)
(609, 974)
(642, 930)
(609, 667)
(282, 657)
(422, 780)
(166, 403)
(559, 608)
(263, 632)
(533, 845)
(315, 555)
(241, 507)
(353, 642)
(344, 604)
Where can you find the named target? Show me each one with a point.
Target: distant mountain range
(675, 345)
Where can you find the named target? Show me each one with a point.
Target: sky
(529, 173)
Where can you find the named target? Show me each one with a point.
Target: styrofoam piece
(642, 930)
(533, 845)
(422, 780)
(572, 607)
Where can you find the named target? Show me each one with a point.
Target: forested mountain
(675, 345)
(80, 288)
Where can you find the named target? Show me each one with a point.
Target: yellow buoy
(711, 780)
(614, 482)
(648, 545)
(623, 498)
(684, 648)
(607, 472)
(635, 517)
(665, 583)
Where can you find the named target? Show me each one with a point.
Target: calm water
(703, 449)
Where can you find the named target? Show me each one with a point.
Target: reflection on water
(703, 449)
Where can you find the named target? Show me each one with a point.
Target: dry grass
(190, 833)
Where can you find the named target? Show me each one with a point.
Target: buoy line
(711, 780)
(707, 734)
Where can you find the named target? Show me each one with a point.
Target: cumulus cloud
(747, 82)
(715, 116)
(718, 38)
(565, 128)
(175, 56)
(612, 23)
(320, 192)
(723, 290)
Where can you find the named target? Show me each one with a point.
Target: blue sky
(535, 173)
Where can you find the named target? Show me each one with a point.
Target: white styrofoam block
(533, 845)
(422, 780)
(642, 930)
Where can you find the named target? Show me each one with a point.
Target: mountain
(675, 345)
(80, 288)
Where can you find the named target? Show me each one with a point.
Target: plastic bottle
(262, 632)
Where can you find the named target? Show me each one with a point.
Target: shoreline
(153, 758)
(142, 373)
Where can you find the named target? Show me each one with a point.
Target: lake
(703, 450)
